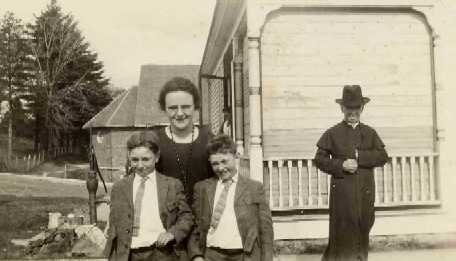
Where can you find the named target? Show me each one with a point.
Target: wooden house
(280, 64)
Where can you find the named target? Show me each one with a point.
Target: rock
(20, 242)
(93, 233)
(84, 247)
(26, 242)
(102, 204)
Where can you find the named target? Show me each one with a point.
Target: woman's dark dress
(196, 168)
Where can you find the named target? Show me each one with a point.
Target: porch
(294, 184)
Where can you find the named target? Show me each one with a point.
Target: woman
(183, 145)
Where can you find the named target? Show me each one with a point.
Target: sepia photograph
(228, 130)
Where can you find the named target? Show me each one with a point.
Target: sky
(128, 34)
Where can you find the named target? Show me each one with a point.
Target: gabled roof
(152, 78)
(118, 113)
(138, 106)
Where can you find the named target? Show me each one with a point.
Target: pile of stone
(65, 237)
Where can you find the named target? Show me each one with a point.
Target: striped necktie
(138, 205)
(221, 204)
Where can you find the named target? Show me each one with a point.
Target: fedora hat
(352, 96)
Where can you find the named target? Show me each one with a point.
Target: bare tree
(56, 43)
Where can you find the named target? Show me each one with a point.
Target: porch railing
(244, 166)
(404, 180)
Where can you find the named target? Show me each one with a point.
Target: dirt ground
(408, 255)
(38, 186)
(26, 200)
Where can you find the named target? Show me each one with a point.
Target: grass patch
(21, 146)
(25, 217)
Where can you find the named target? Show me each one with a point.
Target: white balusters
(403, 180)
(399, 187)
(421, 166)
(290, 183)
(412, 178)
(279, 166)
(395, 196)
(385, 184)
(271, 201)
(300, 193)
(318, 188)
(431, 178)
(309, 183)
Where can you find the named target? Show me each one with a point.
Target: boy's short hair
(146, 139)
(221, 143)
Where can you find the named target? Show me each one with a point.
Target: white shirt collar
(353, 125)
(234, 178)
(138, 177)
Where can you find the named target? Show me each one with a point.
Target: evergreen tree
(70, 87)
(15, 68)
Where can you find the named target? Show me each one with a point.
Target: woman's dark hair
(179, 84)
(221, 144)
(146, 139)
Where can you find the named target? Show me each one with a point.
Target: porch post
(442, 20)
(239, 112)
(255, 148)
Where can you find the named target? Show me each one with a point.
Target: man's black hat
(352, 96)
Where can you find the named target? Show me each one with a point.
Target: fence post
(16, 163)
(27, 162)
(65, 171)
(34, 160)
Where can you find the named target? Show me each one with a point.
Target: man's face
(142, 160)
(352, 114)
(223, 164)
(180, 108)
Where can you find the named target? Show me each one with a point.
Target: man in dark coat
(348, 152)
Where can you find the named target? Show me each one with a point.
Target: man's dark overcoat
(352, 196)
(175, 214)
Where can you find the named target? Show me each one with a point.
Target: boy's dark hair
(146, 139)
(179, 84)
(221, 144)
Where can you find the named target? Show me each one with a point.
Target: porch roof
(225, 20)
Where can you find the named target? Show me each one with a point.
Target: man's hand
(164, 238)
(198, 258)
(350, 165)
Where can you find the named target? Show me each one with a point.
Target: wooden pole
(92, 186)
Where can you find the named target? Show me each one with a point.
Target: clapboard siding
(302, 142)
(308, 56)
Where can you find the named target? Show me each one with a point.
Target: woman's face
(142, 160)
(180, 108)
